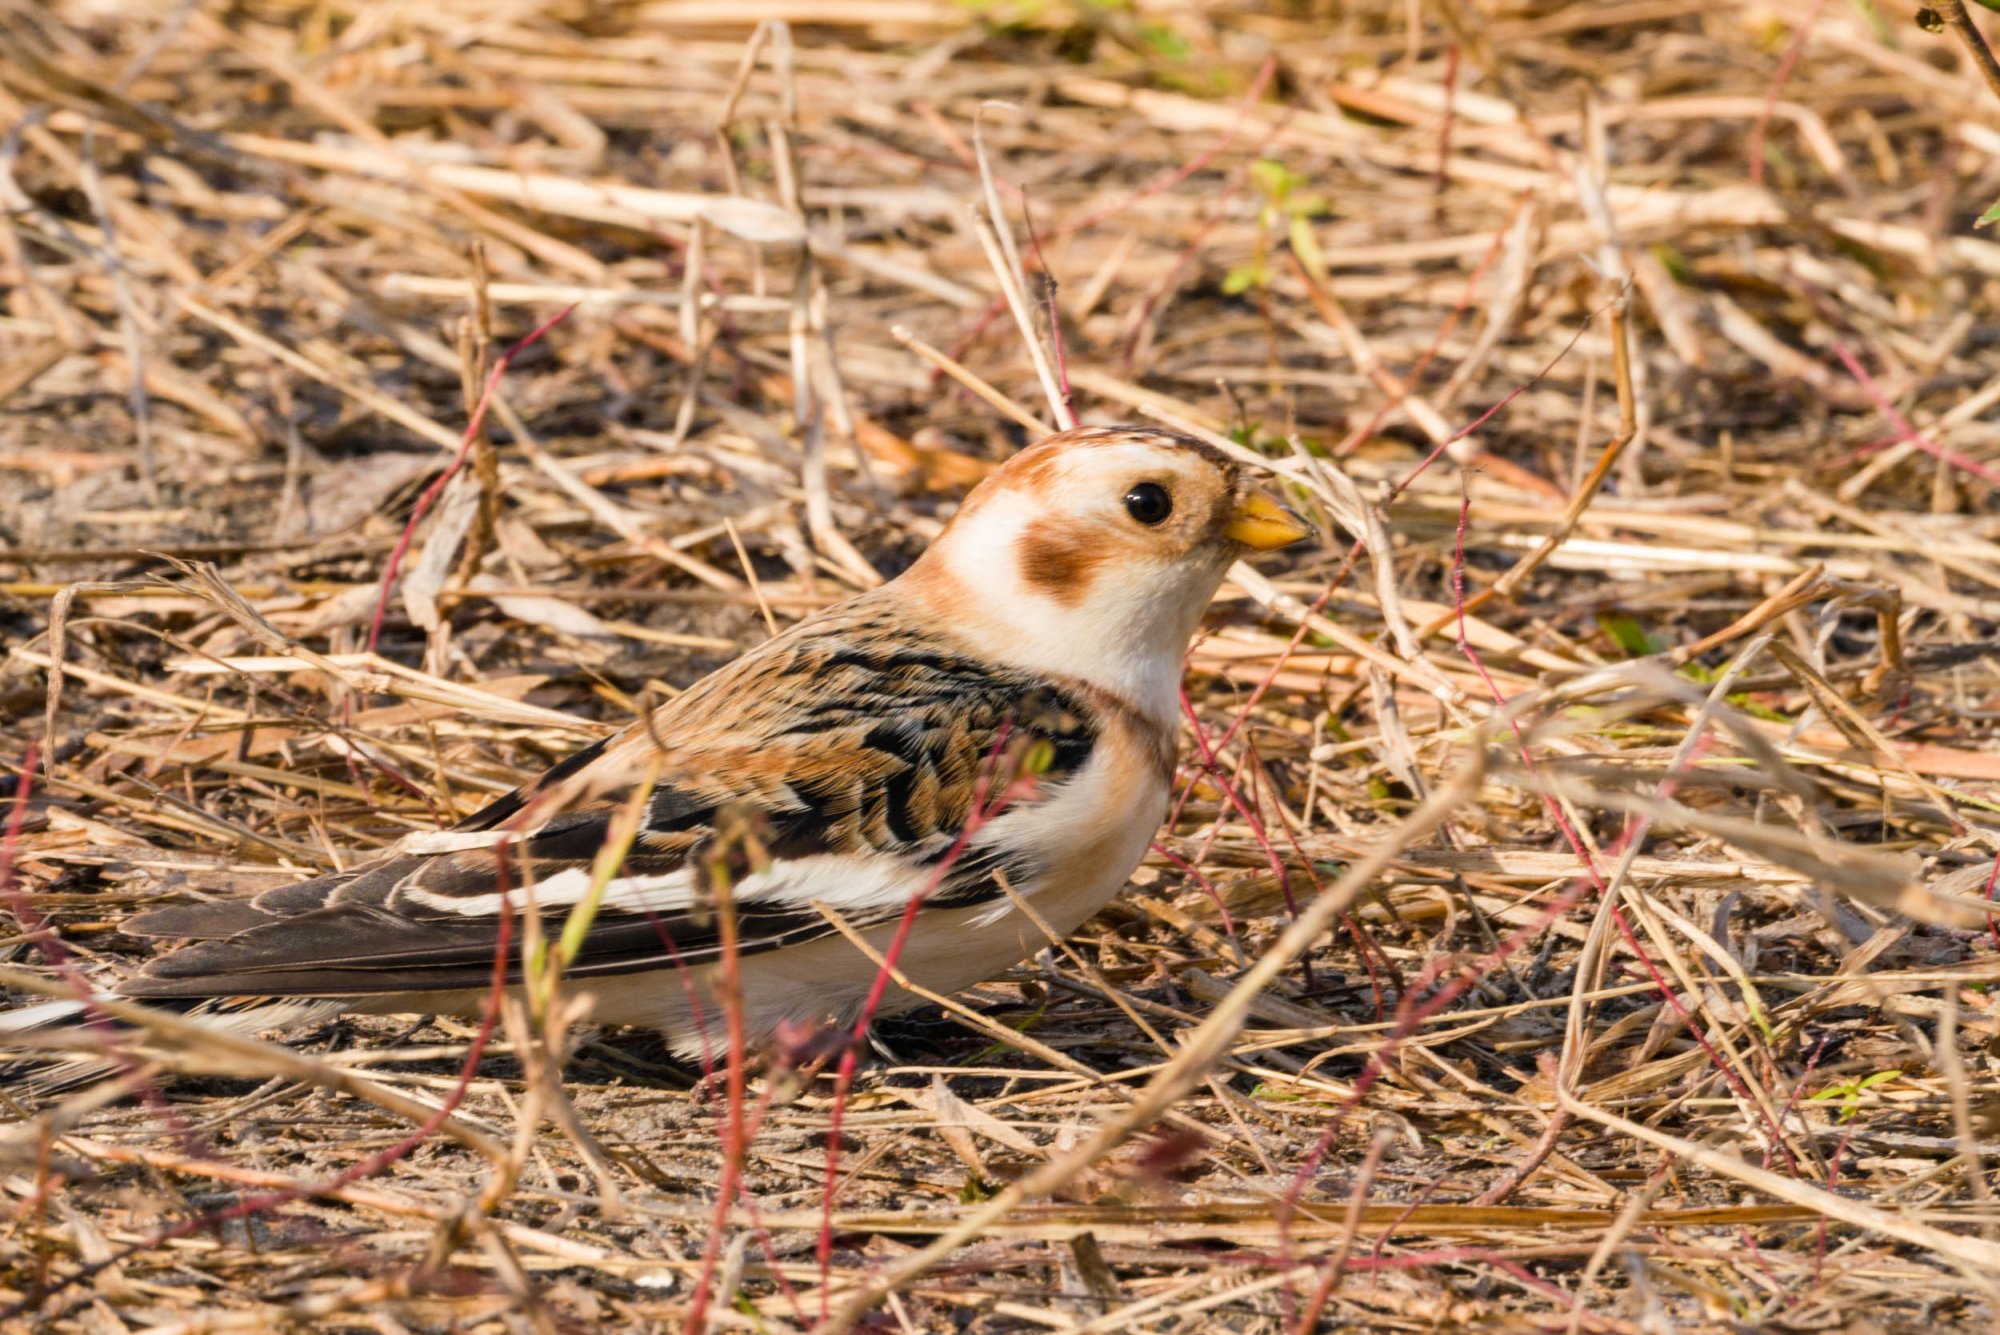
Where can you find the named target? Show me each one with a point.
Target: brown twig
(1956, 18)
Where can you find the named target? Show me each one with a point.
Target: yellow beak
(1264, 525)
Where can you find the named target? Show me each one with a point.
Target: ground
(1572, 916)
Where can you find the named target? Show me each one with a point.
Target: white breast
(1088, 836)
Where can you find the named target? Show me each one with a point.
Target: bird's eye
(1149, 503)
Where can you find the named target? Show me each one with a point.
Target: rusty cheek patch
(1059, 559)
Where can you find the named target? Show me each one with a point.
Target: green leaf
(1306, 245)
(1993, 5)
(1992, 215)
(1849, 1092)
(619, 838)
(1240, 280)
(1629, 636)
(1275, 179)
(1164, 41)
(1675, 264)
(1755, 709)
(998, 1049)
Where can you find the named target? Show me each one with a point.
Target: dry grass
(1644, 982)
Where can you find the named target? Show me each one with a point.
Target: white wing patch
(1083, 824)
(849, 882)
(427, 842)
(667, 893)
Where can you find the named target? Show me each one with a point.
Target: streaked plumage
(1038, 644)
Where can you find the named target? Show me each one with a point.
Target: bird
(996, 726)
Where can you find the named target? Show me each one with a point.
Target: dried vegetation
(1573, 919)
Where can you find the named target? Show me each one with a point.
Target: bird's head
(1093, 553)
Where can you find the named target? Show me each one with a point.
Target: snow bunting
(998, 721)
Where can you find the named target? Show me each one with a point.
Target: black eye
(1149, 503)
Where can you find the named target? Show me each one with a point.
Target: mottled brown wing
(839, 738)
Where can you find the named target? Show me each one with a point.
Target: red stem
(734, 1140)
(1169, 179)
(368, 1167)
(36, 929)
(435, 489)
(850, 1055)
(1906, 432)
(1786, 64)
